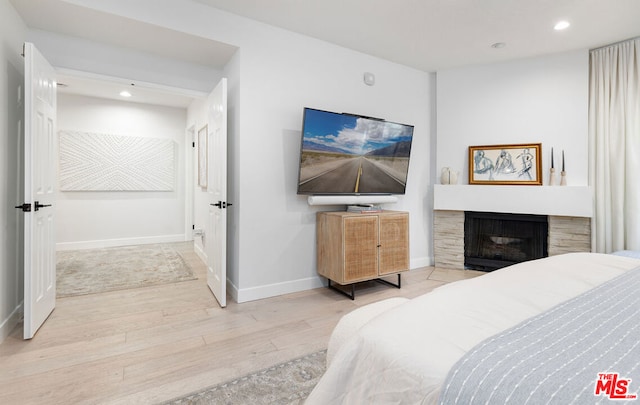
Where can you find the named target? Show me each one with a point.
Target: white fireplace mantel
(572, 201)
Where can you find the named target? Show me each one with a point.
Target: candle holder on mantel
(552, 172)
(563, 173)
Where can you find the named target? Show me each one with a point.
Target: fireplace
(495, 240)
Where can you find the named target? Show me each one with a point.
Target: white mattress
(402, 356)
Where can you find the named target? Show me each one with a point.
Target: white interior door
(216, 229)
(39, 190)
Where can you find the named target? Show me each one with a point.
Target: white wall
(12, 36)
(111, 218)
(276, 229)
(543, 99)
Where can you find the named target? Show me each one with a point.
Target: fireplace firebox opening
(494, 240)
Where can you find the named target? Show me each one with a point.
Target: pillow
(628, 253)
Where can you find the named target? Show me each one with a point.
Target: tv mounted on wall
(346, 154)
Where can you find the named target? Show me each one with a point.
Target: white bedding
(402, 356)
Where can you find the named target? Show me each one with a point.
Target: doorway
(99, 127)
(96, 160)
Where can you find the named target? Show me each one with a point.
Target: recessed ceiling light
(125, 93)
(561, 25)
(498, 45)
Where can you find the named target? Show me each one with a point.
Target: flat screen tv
(351, 154)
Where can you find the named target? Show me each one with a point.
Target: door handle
(222, 204)
(37, 205)
(26, 207)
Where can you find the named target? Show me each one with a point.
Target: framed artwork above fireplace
(518, 164)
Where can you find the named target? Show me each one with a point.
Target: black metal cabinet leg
(353, 290)
(398, 285)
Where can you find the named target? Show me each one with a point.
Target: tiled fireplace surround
(569, 209)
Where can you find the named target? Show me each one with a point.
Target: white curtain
(614, 145)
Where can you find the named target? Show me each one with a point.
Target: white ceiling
(438, 34)
(425, 34)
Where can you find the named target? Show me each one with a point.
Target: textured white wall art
(107, 162)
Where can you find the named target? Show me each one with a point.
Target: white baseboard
(200, 253)
(273, 290)
(232, 290)
(98, 244)
(7, 325)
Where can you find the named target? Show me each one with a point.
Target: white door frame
(189, 183)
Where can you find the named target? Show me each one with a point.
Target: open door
(216, 227)
(40, 148)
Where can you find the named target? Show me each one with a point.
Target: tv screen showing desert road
(353, 175)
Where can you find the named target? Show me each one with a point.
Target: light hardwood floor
(146, 345)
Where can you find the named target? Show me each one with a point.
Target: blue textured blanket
(583, 351)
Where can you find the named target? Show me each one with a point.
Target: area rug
(91, 271)
(284, 384)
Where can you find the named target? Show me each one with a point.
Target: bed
(403, 351)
